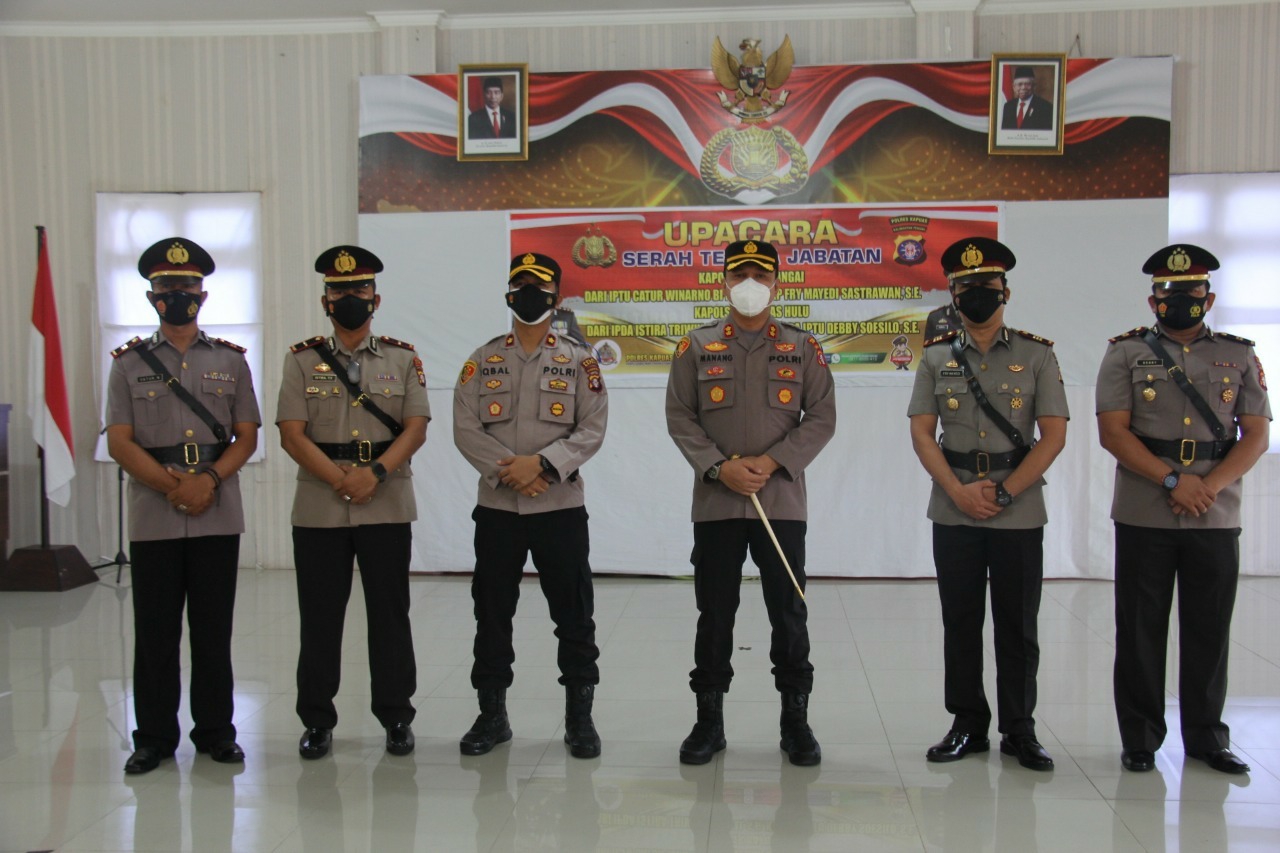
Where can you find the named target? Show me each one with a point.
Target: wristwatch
(380, 471)
(1003, 498)
(1170, 481)
(547, 467)
(713, 473)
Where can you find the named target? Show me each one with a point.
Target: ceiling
(117, 12)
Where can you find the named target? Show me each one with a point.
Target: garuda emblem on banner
(594, 250)
(752, 163)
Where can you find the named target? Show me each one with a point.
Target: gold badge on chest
(1149, 394)
(953, 403)
(1228, 394)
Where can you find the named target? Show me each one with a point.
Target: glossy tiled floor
(65, 718)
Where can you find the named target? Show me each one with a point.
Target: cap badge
(749, 249)
(528, 259)
(177, 254)
(344, 263)
(1179, 261)
(971, 257)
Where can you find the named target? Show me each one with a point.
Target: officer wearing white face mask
(529, 409)
(750, 404)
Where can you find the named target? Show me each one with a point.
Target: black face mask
(177, 307)
(530, 303)
(979, 303)
(1180, 311)
(351, 312)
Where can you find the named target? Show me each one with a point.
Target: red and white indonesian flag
(47, 389)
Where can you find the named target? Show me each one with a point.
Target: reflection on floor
(66, 713)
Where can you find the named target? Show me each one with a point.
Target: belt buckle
(1183, 456)
(983, 462)
(364, 451)
(190, 453)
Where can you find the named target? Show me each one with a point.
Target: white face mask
(750, 297)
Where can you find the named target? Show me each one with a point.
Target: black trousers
(560, 546)
(719, 550)
(169, 574)
(1205, 564)
(323, 559)
(1013, 560)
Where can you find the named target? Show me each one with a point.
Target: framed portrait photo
(493, 112)
(1028, 99)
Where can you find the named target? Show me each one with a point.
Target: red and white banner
(47, 386)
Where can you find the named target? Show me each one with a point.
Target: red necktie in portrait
(497, 128)
(1022, 105)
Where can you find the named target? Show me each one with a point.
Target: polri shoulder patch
(1235, 338)
(125, 347)
(396, 343)
(229, 345)
(942, 338)
(302, 346)
(1032, 337)
(1132, 333)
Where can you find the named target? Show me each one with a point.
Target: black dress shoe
(1222, 760)
(144, 760)
(224, 752)
(1138, 760)
(1030, 753)
(315, 743)
(956, 745)
(399, 739)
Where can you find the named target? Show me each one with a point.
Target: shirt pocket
(555, 400)
(218, 397)
(952, 393)
(1016, 401)
(1225, 384)
(495, 406)
(150, 403)
(323, 402)
(1150, 381)
(784, 390)
(715, 387)
(389, 396)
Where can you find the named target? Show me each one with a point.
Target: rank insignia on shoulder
(493, 384)
(683, 346)
(561, 358)
(307, 344)
(125, 347)
(943, 337)
(1235, 338)
(422, 376)
(551, 340)
(784, 347)
(1132, 333)
(773, 330)
(229, 345)
(468, 371)
(509, 341)
(715, 346)
(1032, 337)
(495, 359)
(396, 343)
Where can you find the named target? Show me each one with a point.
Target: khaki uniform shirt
(1228, 375)
(216, 374)
(391, 374)
(1022, 380)
(771, 393)
(550, 402)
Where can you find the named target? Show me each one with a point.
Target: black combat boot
(491, 727)
(707, 737)
(579, 730)
(798, 741)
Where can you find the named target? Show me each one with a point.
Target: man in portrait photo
(1026, 110)
(492, 121)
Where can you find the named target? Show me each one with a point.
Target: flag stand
(45, 567)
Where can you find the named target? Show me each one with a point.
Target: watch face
(1171, 481)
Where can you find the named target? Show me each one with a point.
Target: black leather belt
(1187, 450)
(186, 454)
(982, 463)
(354, 451)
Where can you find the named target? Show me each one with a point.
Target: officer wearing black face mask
(352, 412)
(992, 388)
(529, 409)
(182, 419)
(1184, 410)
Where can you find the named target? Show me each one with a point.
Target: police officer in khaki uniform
(991, 387)
(1185, 412)
(352, 412)
(529, 409)
(181, 420)
(750, 404)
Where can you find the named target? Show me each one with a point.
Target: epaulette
(1032, 337)
(125, 347)
(946, 336)
(1235, 338)
(396, 343)
(1129, 334)
(229, 344)
(307, 344)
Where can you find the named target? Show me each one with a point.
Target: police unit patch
(468, 370)
(557, 409)
(784, 396)
(682, 346)
(1262, 376)
(717, 394)
(495, 409)
(422, 377)
(594, 380)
